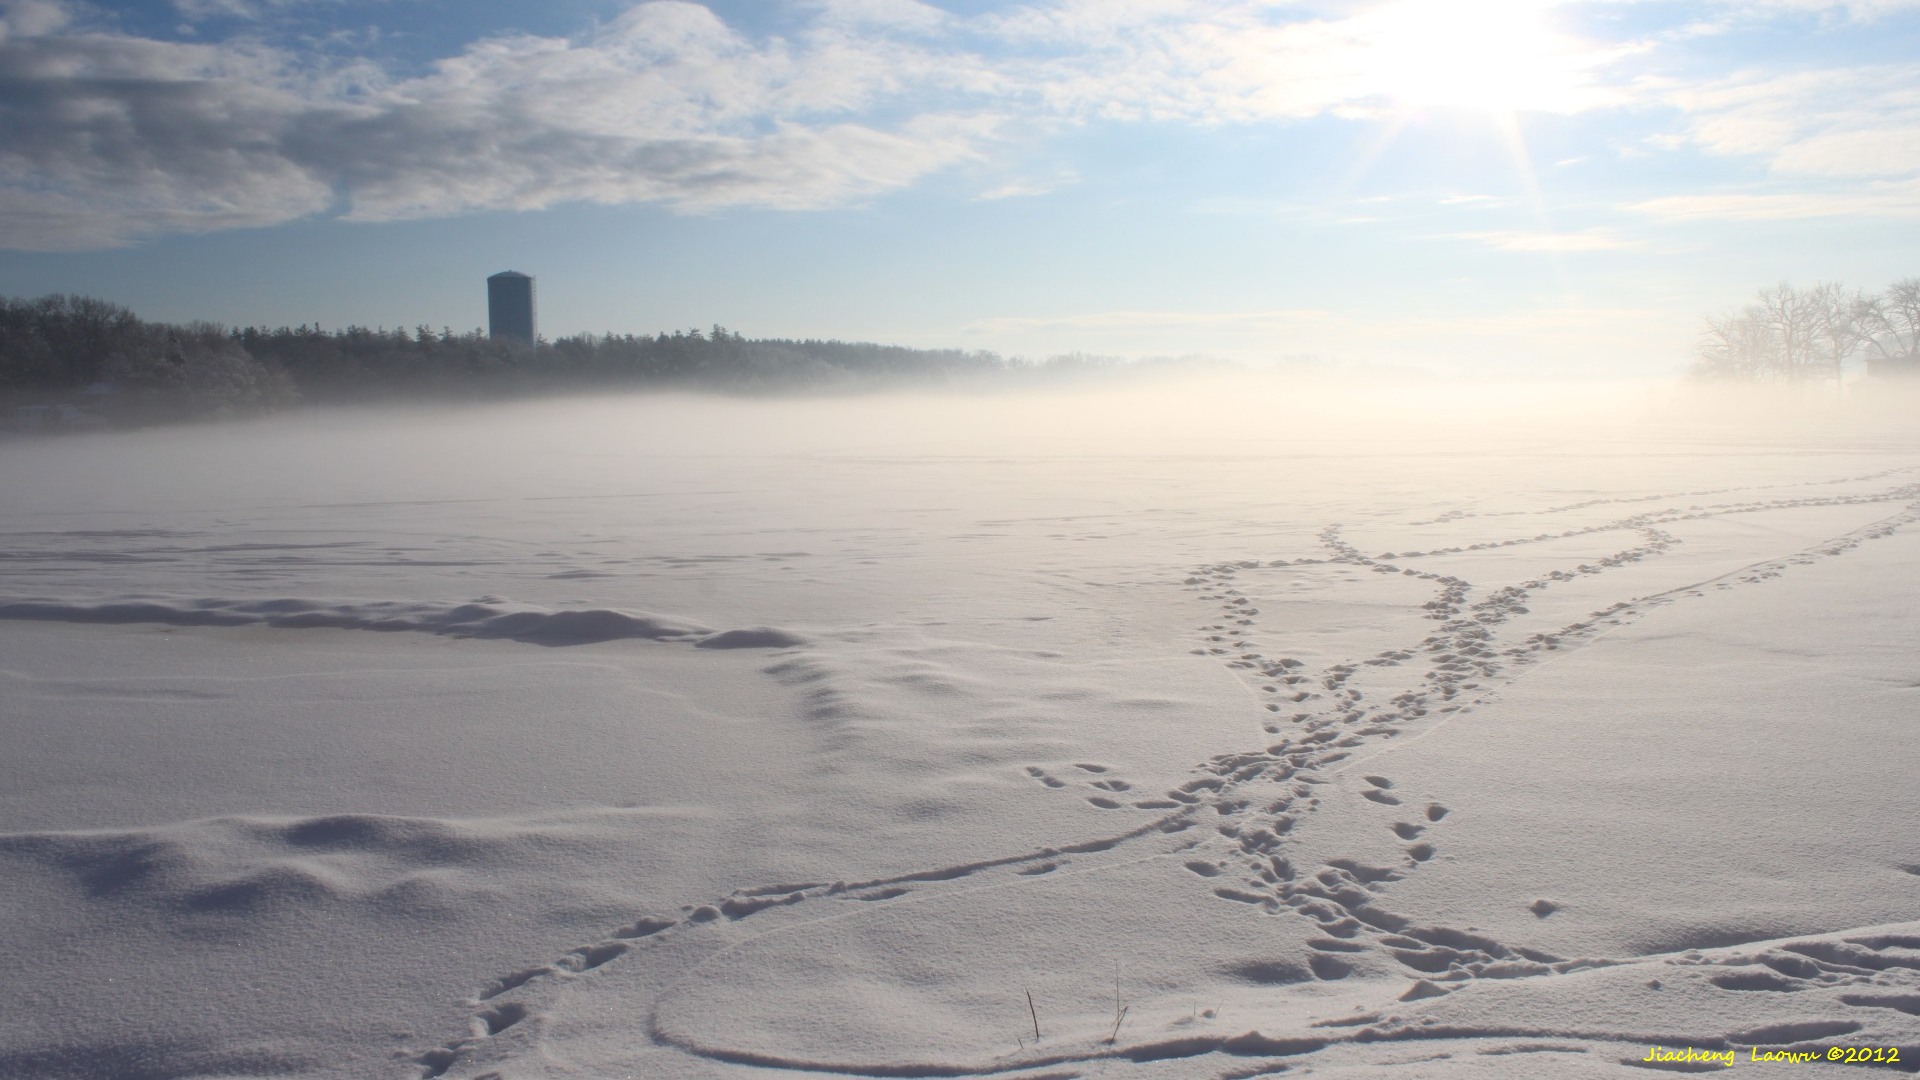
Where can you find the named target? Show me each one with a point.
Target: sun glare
(1490, 55)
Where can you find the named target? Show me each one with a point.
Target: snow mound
(755, 637)
(479, 619)
(258, 866)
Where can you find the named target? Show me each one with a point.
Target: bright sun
(1492, 55)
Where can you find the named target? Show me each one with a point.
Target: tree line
(1789, 335)
(57, 346)
(99, 356)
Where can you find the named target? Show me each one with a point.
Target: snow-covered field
(1218, 733)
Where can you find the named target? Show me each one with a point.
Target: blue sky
(1487, 186)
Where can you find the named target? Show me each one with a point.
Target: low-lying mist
(573, 445)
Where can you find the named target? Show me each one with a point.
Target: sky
(1510, 187)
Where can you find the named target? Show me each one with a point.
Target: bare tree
(1735, 345)
(1891, 323)
(1788, 315)
(1839, 327)
(1799, 336)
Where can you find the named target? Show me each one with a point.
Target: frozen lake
(1217, 733)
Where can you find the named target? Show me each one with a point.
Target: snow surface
(1242, 731)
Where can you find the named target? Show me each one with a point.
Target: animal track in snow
(1044, 777)
(1253, 802)
(1464, 660)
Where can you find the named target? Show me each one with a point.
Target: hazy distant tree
(59, 345)
(196, 369)
(58, 349)
(26, 357)
(1840, 327)
(1790, 318)
(1891, 323)
(61, 341)
(1788, 335)
(1736, 345)
(84, 332)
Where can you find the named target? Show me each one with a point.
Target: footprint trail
(1242, 824)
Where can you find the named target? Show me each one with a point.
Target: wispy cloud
(1564, 243)
(1029, 187)
(231, 9)
(1840, 142)
(1860, 121)
(908, 15)
(1891, 200)
(193, 12)
(1856, 10)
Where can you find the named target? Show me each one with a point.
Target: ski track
(1256, 799)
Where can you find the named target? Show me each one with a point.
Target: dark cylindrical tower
(510, 306)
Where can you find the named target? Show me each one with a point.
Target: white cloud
(116, 138)
(62, 221)
(1263, 60)
(30, 18)
(111, 139)
(106, 138)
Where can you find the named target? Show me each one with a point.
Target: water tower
(510, 307)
